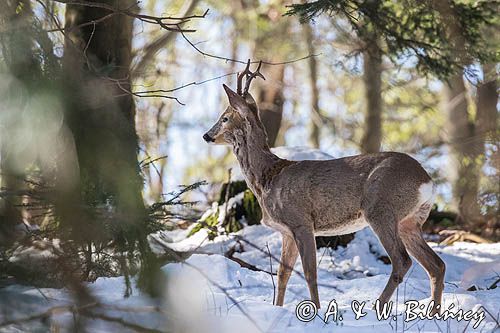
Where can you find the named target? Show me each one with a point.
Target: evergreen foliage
(412, 28)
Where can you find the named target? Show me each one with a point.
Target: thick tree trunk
(464, 149)
(315, 121)
(486, 132)
(468, 139)
(100, 110)
(100, 113)
(10, 182)
(17, 43)
(271, 100)
(372, 77)
(486, 104)
(485, 129)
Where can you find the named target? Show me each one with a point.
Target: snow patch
(211, 293)
(300, 153)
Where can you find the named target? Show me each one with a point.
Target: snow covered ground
(211, 293)
(221, 295)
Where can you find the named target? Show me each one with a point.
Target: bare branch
(229, 254)
(162, 21)
(271, 268)
(47, 314)
(150, 51)
(160, 92)
(86, 310)
(206, 54)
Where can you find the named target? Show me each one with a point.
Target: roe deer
(388, 191)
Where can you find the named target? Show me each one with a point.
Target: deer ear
(236, 101)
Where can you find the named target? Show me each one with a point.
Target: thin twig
(229, 254)
(206, 54)
(218, 286)
(279, 261)
(194, 83)
(159, 20)
(271, 268)
(46, 314)
(492, 316)
(132, 326)
(228, 187)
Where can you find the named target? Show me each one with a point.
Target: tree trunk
(486, 112)
(101, 111)
(271, 100)
(372, 77)
(467, 141)
(17, 44)
(486, 131)
(315, 121)
(463, 151)
(487, 99)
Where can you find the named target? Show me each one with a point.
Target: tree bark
(463, 151)
(467, 141)
(101, 111)
(467, 137)
(17, 44)
(315, 121)
(486, 104)
(486, 132)
(372, 78)
(271, 100)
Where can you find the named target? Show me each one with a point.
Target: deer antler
(252, 76)
(249, 76)
(241, 75)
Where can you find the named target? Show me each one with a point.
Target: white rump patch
(427, 193)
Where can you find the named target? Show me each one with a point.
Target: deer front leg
(307, 249)
(289, 253)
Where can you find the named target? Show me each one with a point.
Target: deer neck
(256, 160)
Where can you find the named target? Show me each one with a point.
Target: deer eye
(225, 119)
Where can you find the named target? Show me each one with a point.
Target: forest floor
(212, 293)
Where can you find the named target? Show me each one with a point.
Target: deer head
(242, 110)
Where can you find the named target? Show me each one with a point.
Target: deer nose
(207, 138)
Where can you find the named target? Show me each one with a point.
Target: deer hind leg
(411, 233)
(383, 223)
(289, 254)
(307, 249)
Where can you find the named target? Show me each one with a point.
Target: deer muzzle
(208, 138)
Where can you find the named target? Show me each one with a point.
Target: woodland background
(103, 105)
